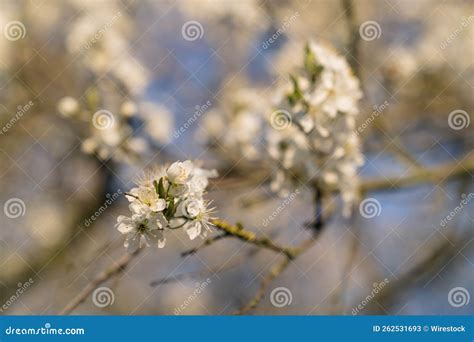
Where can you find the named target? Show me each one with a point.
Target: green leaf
(311, 65)
(171, 209)
(296, 94)
(159, 188)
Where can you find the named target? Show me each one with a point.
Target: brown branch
(250, 237)
(354, 36)
(206, 243)
(102, 277)
(228, 229)
(341, 289)
(275, 271)
(395, 145)
(423, 175)
(205, 271)
(441, 253)
(419, 176)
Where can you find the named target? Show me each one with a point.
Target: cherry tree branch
(435, 174)
(229, 230)
(250, 237)
(274, 272)
(419, 176)
(206, 243)
(102, 277)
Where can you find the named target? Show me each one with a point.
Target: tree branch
(275, 271)
(206, 243)
(230, 230)
(250, 237)
(102, 277)
(354, 36)
(422, 175)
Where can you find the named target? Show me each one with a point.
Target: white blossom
(180, 172)
(145, 200)
(167, 198)
(319, 145)
(142, 229)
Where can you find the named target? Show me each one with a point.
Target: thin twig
(205, 271)
(236, 231)
(102, 277)
(340, 291)
(419, 176)
(206, 243)
(354, 36)
(423, 175)
(275, 271)
(318, 202)
(250, 237)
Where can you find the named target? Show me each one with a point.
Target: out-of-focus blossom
(101, 37)
(158, 121)
(128, 108)
(313, 125)
(111, 135)
(68, 106)
(234, 129)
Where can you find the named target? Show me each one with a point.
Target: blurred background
(175, 75)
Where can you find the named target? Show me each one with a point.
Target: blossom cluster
(167, 198)
(313, 138)
(310, 136)
(100, 33)
(234, 130)
(110, 135)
